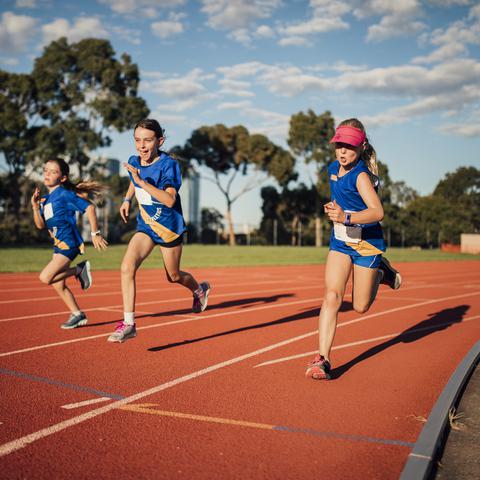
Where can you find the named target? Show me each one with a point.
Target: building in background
(190, 195)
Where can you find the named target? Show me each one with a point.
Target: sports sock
(129, 318)
(77, 313)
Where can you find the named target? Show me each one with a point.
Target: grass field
(34, 259)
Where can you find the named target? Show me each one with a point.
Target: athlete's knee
(45, 278)
(128, 268)
(361, 307)
(174, 277)
(333, 298)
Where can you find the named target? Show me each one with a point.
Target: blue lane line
(357, 438)
(70, 386)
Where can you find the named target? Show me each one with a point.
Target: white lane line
(361, 342)
(158, 302)
(289, 281)
(156, 325)
(22, 442)
(70, 406)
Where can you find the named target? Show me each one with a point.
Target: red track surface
(190, 398)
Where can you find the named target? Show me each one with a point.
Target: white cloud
(237, 14)
(443, 53)
(82, 27)
(468, 130)
(326, 17)
(449, 3)
(235, 88)
(166, 29)
(264, 31)
(239, 17)
(25, 4)
(16, 31)
(143, 8)
(187, 90)
(413, 80)
(11, 62)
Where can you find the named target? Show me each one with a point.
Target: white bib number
(143, 197)
(351, 234)
(48, 211)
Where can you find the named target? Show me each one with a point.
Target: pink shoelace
(120, 327)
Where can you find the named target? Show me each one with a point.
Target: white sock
(129, 318)
(78, 312)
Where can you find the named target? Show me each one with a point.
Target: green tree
(230, 152)
(309, 136)
(76, 95)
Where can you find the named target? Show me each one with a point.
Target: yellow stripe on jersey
(364, 248)
(59, 244)
(164, 233)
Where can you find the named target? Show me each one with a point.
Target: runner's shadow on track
(241, 303)
(438, 321)
(292, 318)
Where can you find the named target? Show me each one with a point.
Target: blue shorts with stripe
(366, 253)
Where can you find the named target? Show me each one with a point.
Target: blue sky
(409, 69)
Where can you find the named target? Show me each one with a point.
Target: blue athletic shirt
(344, 191)
(58, 209)
(161, 223)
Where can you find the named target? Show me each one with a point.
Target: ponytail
(368, 154)
(84, 188)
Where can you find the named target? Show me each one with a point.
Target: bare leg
(337, 272)
(171, 261)
(57, 269)
(138, 249)
(54, 274)
(365, 286)
(66, 295)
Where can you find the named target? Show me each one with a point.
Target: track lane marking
(361, 342)
(22, 442)
(148, 409)
(71, 406)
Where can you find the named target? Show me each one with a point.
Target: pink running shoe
(123, 332)
(319, 368)
(200, 302)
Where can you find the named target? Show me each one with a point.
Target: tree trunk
(231, 233)
(294, 229)
(318, 231)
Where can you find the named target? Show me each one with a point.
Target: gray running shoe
(200, 302)
(391, 277)
(75, 321)
(123, 332)
(84, 277)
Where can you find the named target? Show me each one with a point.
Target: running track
(222, 394)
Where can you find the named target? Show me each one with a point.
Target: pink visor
(348, 134)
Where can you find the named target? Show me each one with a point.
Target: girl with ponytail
(356, 242)
(56, 211)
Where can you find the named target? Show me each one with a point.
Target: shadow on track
(240, 303)
(438, 321)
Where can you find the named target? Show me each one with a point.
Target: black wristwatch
(348, 217)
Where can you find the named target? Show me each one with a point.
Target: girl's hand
(35, 200)
(135, 173)
(124, 211)
(335, 212)
(99, 242)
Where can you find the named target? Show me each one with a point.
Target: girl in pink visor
(356, 242)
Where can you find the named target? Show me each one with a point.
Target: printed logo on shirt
(157, 214)
(48, 211)
(333, 177)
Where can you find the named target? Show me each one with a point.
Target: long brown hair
(83, 187)
(368, 154)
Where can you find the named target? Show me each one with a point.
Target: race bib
(351, 234)
(48, 211)
(143, 197)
